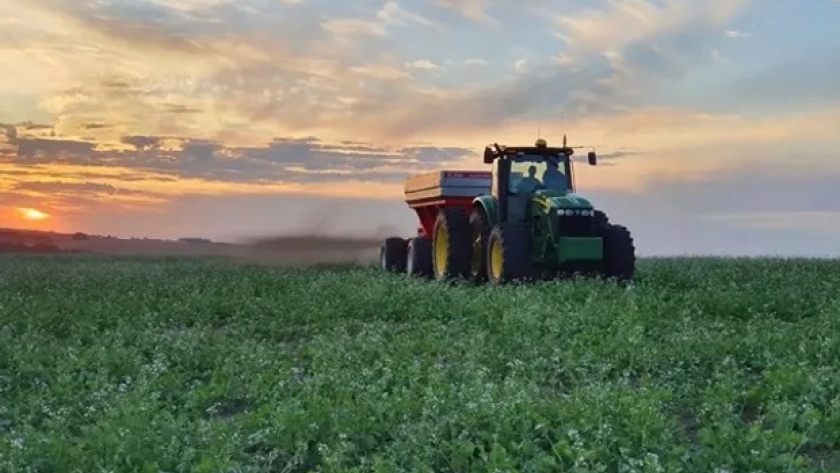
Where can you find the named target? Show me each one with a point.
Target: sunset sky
(718, 121)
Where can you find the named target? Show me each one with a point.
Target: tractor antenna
(564, 140)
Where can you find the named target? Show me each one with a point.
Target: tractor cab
(520, 173)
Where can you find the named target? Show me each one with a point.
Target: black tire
(619, 253)
(479, 233)
(451, 244)
(419, 257)
(510, 242)
(392, 255)
(601, 220)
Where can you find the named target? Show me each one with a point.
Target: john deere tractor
(522, 221)
(531, 225)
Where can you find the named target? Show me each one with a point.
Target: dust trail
(318, 242)
(312, 249)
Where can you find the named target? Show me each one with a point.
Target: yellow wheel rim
(496, 259)
(441, 248)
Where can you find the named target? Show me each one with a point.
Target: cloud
(348, 29)
(344, 77)
(392, 13)
(737, 34)
(155, 168)
(796, 82)
(73, 191)
(255, 80)
(615, 59)
(289, 159)
(292, 57)
(422, 64)
(474, 10)
(628, 22)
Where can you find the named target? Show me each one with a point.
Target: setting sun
(33, 215)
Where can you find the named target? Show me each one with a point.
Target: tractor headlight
(572, 212)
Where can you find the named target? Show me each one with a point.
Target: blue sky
(144, 117)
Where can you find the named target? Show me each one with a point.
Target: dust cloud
(318, 241)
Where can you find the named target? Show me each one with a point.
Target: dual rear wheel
(446, 255)
(500, 253)
(454, 251)
(465, 246)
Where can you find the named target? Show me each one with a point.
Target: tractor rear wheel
(392, 255)
(508, 254)
(619, 253)
(419, 257)
(451, 244)
(479, 233)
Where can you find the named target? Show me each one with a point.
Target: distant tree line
(39, 247)
(194, 240)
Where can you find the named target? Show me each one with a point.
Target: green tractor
(531, 225)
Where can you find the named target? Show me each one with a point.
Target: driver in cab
(530, 183)
(553, 178)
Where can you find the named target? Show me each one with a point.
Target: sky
(717, 122)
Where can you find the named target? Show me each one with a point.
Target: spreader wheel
(508, 254)
(392, 255)
(619, 253)
(419, 257)
(451, 244)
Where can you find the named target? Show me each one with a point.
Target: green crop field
(169, 365)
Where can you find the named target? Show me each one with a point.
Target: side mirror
(488, 155)
(593, 160)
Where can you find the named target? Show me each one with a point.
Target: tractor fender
(488, 204)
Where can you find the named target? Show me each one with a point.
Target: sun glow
(33, 215)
